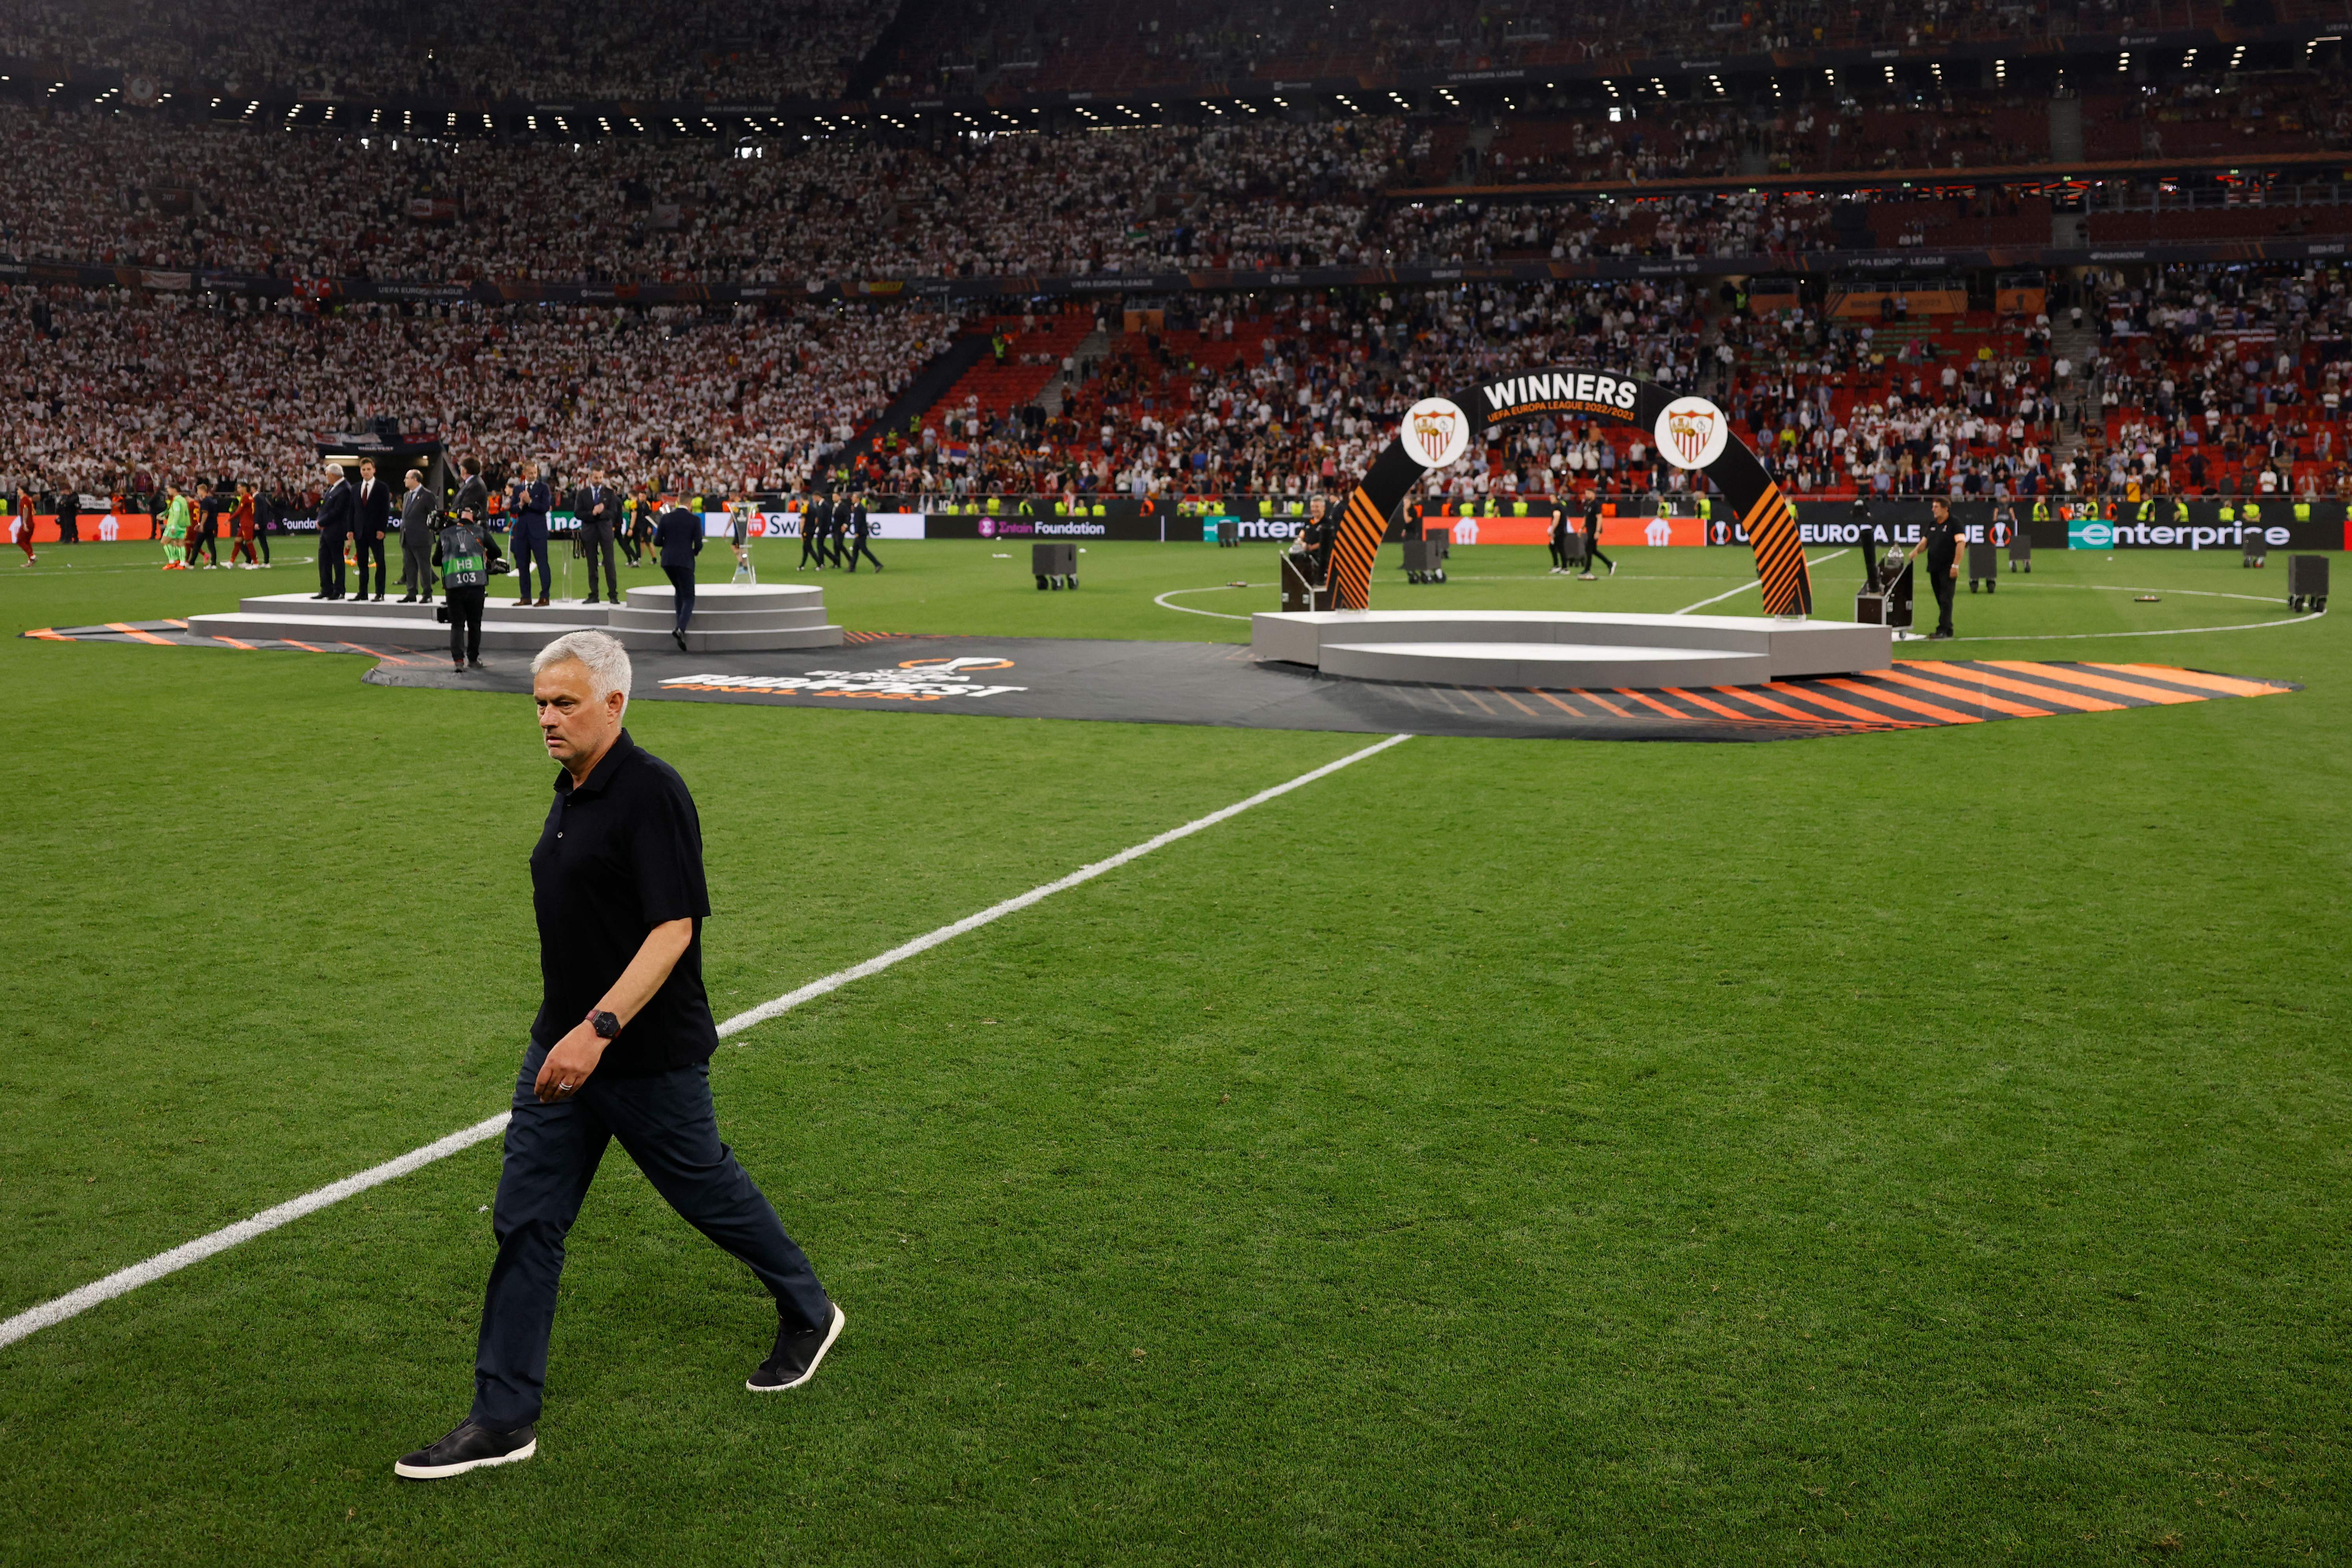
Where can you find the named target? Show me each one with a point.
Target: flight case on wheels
(1984, 566)
(2021, 552)
(2306, 583)
(1055, 565)
(1424, 559)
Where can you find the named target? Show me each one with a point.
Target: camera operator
(463, 552)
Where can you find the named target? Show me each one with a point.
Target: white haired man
(616, 879)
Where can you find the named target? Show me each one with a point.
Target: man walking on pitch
(814, 516)
(860, 528)
(1593, 534)
(617, 882)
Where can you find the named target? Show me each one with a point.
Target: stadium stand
(813, 275)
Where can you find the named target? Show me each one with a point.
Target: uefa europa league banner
(1689, 432)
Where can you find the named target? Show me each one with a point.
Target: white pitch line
(1703, 603)
(124, 1281)
(1161, 600)
(2159, 632)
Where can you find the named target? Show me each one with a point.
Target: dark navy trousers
(530, 541)
(667, 1125)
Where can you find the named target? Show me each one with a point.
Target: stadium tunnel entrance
(1690, 432)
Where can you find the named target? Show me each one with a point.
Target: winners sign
(1690, 432)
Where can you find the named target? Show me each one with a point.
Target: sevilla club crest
(1691, 432)
(1435, 432)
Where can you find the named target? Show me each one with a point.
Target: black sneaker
(469, 1447)
(475, 664)
(794, 1360)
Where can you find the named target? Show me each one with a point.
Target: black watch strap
(606, 1025)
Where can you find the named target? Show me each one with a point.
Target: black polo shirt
(1944, 541)
(620, 855)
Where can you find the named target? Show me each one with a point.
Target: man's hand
(568, 1065)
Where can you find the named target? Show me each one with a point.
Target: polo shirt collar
(603, 774)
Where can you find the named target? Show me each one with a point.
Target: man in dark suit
(473, 498)
(836, 527)
(529, 501)
(598, 509)
(813, 522)
(860, 526)
(679, 536)
(418, 508)
(337, 512)
(373, 510)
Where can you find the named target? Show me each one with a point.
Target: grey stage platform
(1567, 650)
(728, 617)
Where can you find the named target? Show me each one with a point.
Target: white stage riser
(1544, 666)
(698, 641)
(660, 620)
(570, 614)
(728, 617)
(410, 633)
(1789, 649)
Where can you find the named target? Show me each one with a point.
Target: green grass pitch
(1909, 1148)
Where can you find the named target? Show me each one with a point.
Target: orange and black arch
(1574, 393)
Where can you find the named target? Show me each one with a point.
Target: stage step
(1558, 667)
(716, 619)
(388, 631)
(1784, 649)
(728, 617)
(700, 639)
(570, 613)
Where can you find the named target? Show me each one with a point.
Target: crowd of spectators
(103, 188)
(470, 49)
(378, 201)
(2211, 384)
(2215, 381)
(118, 392)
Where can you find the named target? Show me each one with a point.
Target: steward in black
(1941, 539)
(620, 855)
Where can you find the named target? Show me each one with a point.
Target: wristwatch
(606, 1025)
